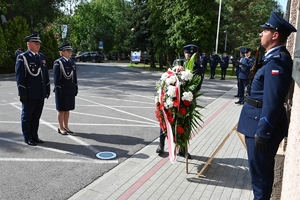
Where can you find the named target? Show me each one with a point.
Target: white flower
(187, 96)
(164, 76)
(171, 91)
(168, 103)
(186, 75)
(171, 80)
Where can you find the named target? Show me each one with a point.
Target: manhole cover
(106, 155)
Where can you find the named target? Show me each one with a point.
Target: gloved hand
(261, 144)
(23, 99)
(47, 96)
(76, 92)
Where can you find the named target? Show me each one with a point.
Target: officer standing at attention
(246, 65)
(236, 64)
(66, 88)
(214, 60)
(224, 62)
(203, 61)
(263, 118)
(33, 86)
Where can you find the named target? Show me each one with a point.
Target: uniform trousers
(223, 72)
(261, 166)
(212, 71)
(31, 113)
(242, 85)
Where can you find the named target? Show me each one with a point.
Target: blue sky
(283, 4)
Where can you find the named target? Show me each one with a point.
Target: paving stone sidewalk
(146, 175)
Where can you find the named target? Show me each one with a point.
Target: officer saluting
(263, 118)
(33, 86)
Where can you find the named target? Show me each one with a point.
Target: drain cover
(106, 155)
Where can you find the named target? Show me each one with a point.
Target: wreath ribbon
(171, 145)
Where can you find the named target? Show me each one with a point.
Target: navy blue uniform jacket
(270, 85)
(32, 76)
(214, 60)
(246, 65)
(203, 60)
(65, 78)
(224, 62)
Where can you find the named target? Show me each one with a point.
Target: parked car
(178, 62)
(92, 56)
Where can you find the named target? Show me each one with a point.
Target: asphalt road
(114, 112)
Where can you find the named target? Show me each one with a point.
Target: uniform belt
(253, 102)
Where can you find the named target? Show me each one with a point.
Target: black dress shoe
(68, 130)
(38, 141)
(62, 132)
(182, 154)
(238, 102)
(236, 95)
(30, 142)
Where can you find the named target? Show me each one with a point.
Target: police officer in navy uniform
(188, 51)
(33, 87)
(203, 61)
(213, 62)
(263, 118)
(224, 62)
(66, 88)
(236, 64)
(245, 67)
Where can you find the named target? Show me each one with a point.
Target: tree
(49, 47)
(36, 12)
(15, 32)
(178, 23)
(242, 18)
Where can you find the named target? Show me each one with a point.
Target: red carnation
(182, 111)
(180, 129)
(170, 119)
(175, 103)
(186, 103)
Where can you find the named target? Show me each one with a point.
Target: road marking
(47, 148)
(57, 160)
(118, 110)
(88, 146)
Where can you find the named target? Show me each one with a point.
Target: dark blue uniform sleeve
(21, 76)
(57, 78)
(276, 85)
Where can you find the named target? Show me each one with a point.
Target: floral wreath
(176, 105)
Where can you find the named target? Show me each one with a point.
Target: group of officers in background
(213, 60)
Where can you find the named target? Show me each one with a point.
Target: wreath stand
(221, 145)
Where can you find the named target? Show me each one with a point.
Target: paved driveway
(114, 112)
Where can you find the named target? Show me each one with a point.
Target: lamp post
(225, 40)
(219, 16)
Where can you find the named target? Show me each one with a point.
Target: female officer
(65, 87)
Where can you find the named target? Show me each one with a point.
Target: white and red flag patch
(275, 72)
